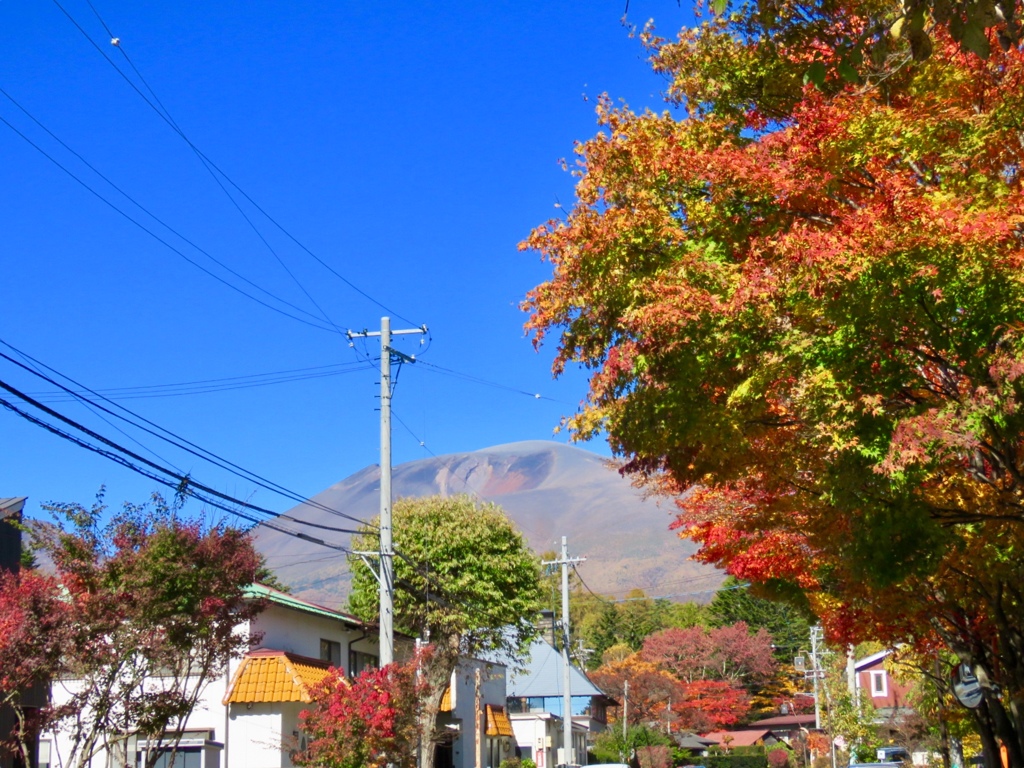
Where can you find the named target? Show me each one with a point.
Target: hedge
(736, 761)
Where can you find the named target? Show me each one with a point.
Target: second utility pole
(387, 552)
(565, 561)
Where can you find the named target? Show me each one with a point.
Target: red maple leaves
(368, 721)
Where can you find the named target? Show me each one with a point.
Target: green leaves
(465, 573)
(974, 38)
(816, 74)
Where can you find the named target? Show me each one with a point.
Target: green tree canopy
(464, 578)
(787, 624)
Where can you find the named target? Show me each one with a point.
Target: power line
(165, 116)
(487, 383)
(174, 439)
(608, 601)
(139, 205)
(465, 484)
(183, 483)
(207, 386)
(164, 242)
(587, 586)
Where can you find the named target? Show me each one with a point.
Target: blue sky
(410, 146)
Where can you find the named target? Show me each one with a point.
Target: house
(249, 717)
(752, 737)
(473, 717)
(535, 705)
(786, 727)
(874, 683)
(697, 746)
(10, 532)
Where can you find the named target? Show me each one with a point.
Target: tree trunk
(989, 743)
(437, 676)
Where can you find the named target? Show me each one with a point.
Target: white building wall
(262, 735)
(537, 733)
(285, 629)
(492, 692)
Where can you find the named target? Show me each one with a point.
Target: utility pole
(478, 730)
(387, 552)
(816, 637)
(625, 710)
(565, 561)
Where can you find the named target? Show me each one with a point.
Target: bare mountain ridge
(547, 488)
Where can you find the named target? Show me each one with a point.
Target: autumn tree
(731, 654)
(614, 746)
(941, 724)
(464, 578)
(144, 610)
(368, 722)
(804, 298)
(651, 689)
(599, 623)
(35, 629)
(689, 679)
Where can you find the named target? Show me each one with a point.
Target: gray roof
(541, 676)
(693, 741)
(11, 505)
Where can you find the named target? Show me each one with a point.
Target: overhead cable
(174, 439)
(486, 382)
(167, 481)
(180, 480)
(136, 203)
(208, 386)
(162, 241)
(174, 127)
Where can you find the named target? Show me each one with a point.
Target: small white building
(473, 718)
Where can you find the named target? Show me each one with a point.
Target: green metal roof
(259, 591)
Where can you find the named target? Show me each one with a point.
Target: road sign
(966, 687)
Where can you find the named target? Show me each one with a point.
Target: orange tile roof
(498, 723)
(446, 700)
(272, 676)
(745, 738)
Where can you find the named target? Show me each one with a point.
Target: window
(44, 754)
(878, 683)
(535, 704)
(190, 757)
(330, 652)
(361, 661)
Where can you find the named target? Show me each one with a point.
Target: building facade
(249, 717)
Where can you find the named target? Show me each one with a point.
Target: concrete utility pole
(565, 561)
(387, 553)
(625, 711)
(478, 730)
(816, 637)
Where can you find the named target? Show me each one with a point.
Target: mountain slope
(547, 488)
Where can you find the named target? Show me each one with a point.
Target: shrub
(736, 761)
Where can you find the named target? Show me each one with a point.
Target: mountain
(550, 490)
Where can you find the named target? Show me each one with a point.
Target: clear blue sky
(409, 145)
